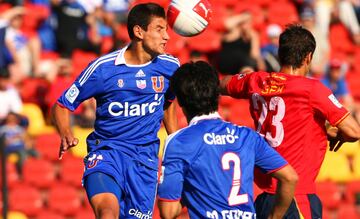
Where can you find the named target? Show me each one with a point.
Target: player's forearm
(349, 129)
(61, 119)
(170, 118)
(287, 180)
(169, 210)
(283, 200)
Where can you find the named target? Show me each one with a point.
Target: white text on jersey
(233, 214)
(215, 139)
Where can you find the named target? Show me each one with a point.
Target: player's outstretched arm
(223, 84)
(287, 179)
(169, 210)
(348, 130)
(61, 118)
(170, 119)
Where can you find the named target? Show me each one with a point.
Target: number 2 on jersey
(234, 197)
(275, 120)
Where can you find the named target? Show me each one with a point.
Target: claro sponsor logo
(217, 139)
(128, 109)
(138, 214)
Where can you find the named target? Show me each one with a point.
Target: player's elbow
(291, 177)
(169, 210)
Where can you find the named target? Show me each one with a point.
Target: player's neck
(136, 55)
(294, 71)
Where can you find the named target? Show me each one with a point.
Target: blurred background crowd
(45, 44)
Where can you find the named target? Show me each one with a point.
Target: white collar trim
(196, 119)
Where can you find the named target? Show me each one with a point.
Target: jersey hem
(168, 200)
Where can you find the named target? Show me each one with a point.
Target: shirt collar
(120, 58)
(196, 119)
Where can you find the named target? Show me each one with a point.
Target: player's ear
(138, 32)
(308, 58)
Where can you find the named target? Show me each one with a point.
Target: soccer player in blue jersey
(209, 165)
(132, 96)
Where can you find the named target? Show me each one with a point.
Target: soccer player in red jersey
(290, 111)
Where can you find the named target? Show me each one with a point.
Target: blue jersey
(209, 165)
(129, 103)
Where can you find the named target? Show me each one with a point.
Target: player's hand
(67, 142)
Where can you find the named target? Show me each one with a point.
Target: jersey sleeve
(322, 100)
(266, 158)
(87, 85)
(176, 161)
(237, 86)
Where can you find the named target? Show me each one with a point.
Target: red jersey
(290, 112)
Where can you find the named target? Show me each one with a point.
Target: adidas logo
(140, 73)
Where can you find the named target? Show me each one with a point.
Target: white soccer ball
(189, 17)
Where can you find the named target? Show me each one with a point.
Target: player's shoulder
(105, 60)
(169, 60)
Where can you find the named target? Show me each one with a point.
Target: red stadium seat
(47, 214)
(12, 177)
(85, 213)
(38, 172)
(26, 199)
(351, 191)
(71, 170)
(207, 41)
(59, 194)
(282, 13)
(329, 193)
(48, 145)
(348, 211)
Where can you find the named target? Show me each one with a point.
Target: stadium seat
(61, 193)
(37, 123)
(348, 211)
(84, 213)
(162, 134)
(15, 215)
(26, 199)
(11, 175)
(47, 214)
(352, 192)
(81, 149)
(71, 170)
(329, 194)
(349, 148)
(48, 145)
(40, 173)
(206, 42)
(282, 13)
(356, 165)
(336, 167)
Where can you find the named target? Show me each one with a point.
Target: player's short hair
(196, 86)
(295, 44)
(142, 14)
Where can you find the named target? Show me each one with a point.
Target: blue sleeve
(87, 85)
(266, 158)
(176, 162)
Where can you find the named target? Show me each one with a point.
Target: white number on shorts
(234, 197)
(275, 120)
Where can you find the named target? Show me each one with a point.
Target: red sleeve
(323, 100)
(238, 84)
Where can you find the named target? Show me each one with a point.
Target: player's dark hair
(196, 86)
(295, 44)
(142, 14)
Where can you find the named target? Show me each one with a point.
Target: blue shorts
(134, 185)
(303, 206)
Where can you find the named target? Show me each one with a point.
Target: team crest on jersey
(120, 83)
(92, 161)
(158, 83)
(141, 84)
(140, 74)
